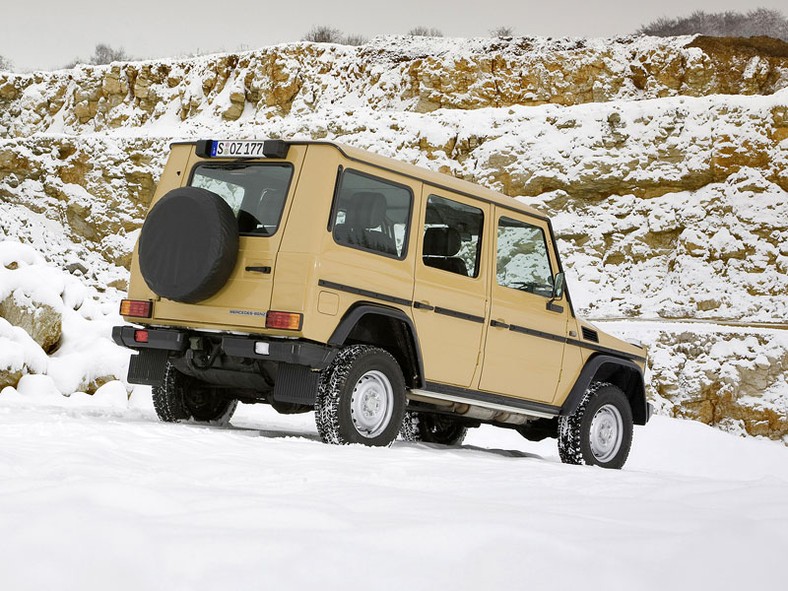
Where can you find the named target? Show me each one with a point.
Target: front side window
(255, 192)
(452, 236)
(372, 214)
(523, 262)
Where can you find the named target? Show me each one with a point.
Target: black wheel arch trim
(630, 380)
(356, 312)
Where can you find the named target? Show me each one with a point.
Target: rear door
(450, 302)
(526, 337)
(259, 193)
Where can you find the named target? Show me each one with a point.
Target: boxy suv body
(388, 298)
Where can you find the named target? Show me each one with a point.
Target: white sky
(47, 34)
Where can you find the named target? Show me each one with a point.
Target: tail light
(141, 336)
(284, 320)
(136, 308)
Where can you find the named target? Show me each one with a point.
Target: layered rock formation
(394, 73)
(669, 199)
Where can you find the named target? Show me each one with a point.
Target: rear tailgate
(260, 192)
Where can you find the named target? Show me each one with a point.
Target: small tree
(104, 54)
(5, 64)
(323, 34)
(502, 32)
(425, 32)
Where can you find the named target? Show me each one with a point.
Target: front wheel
(360, 398)
(181, 398)
(599, 432)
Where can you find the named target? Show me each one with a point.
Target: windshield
(255, 192)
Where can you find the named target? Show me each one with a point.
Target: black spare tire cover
(188, 245)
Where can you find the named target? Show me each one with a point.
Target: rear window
(255, 192)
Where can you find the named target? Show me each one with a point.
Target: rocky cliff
(663, 161)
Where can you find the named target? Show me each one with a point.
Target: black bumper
(312, 355)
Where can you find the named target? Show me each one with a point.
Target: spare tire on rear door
(188, 245)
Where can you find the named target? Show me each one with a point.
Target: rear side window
(255, 192)
(523, 262)
(452, 236)
(372, 214)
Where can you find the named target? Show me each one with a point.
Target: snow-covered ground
(97, 494)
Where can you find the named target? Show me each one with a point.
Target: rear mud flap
(296, 384)
(148, 366)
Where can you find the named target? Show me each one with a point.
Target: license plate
(237, 149)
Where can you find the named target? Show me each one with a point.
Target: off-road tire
(432, 428)
(182, 398)
(343, 383)
(575, 430)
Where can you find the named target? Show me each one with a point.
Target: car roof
(431, 177)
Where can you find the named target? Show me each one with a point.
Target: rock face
(392, 73)
(730, 376)
(737, 381)
(669, 199)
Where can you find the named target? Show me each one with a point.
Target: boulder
(42, 322)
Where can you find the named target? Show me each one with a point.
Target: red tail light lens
(284, 320)
(136, 308)
(141, 336)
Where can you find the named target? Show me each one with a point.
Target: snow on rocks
(732, 377)
(53, 326)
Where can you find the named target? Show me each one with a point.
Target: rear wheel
(432, 428)
(360, 398)
(599, 432)
(181, 398)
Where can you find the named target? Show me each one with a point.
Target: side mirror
(558, 287)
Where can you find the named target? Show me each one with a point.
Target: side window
(372, 214)
(523, 262)
(452, 236)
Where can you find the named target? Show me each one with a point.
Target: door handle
(423, 306)
(498, 324)
(264, 270)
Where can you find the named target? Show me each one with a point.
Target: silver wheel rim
(607, 433)
(372, 403)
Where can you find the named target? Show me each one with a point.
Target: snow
(86, 351)
(98, 494)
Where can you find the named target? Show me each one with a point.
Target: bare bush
(355, 40)
(425, 32)
(502, 32)
(324, 34)
(105, 54)
(6, 65)
(758, 22)
(102, 54)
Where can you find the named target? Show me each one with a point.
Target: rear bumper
(312, 355)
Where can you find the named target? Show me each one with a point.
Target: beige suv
(390, 299)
